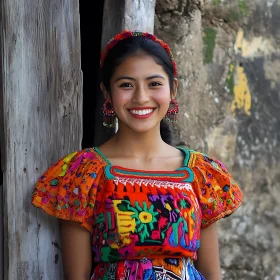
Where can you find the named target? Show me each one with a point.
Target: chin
(142, 128)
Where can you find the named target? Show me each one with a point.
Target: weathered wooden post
(139, 15)
(41, 112)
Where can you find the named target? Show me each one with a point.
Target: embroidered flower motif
(144, 219)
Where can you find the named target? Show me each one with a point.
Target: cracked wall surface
(228, 58)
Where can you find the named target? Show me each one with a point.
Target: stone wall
(228, 59)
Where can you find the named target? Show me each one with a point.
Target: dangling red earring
(172, 111)
(109, 114)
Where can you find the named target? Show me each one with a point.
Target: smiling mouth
(141, 112)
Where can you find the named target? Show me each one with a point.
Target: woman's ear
(175, 87)
(104, 91)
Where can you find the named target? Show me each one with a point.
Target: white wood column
(41, 121)
(139, 15)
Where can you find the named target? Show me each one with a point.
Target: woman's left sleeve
(217, 192)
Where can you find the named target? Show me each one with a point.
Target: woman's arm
(76, 251)
(208, 262)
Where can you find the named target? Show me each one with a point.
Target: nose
(141, 95)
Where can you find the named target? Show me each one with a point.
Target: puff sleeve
(67, 190)
(218, 194)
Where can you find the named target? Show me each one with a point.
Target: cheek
(162, 97)
(120, 99)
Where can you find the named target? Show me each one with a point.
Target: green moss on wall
(242, 7)
(230, 78)
(233, 15)
(216, 2)
(209, 40)
(234, 12)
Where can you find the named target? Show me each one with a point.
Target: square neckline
(186, 154)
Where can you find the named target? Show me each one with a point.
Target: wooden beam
(139, 15)
(1, 152)
(41, 110)
(127, 14)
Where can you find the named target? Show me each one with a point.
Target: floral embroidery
(144, 225)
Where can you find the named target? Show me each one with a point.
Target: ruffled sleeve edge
(222, 215)
(84, 219)
(68, 217)
(219, 167)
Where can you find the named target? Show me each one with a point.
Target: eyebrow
(148, 78)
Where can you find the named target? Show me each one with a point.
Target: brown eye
(124, 85)
(155, 84)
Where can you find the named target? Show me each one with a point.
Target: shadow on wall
(91, 35)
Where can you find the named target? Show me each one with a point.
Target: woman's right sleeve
(67, 190)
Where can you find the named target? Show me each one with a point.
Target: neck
(141, 145)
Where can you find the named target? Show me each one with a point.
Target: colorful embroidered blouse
(143, 224)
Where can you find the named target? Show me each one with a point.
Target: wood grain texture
(139, 15)
(41, 110)
(1, 153)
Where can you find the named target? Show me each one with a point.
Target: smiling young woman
(145, 209)
(140, 94)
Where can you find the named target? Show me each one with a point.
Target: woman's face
(140, 93)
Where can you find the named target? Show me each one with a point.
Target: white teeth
(141, 112)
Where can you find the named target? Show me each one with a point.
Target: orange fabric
(218, 193)
(67, 190)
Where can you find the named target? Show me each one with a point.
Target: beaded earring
(172, 111)
(109, 115)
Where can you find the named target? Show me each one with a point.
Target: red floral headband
(127, 34)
